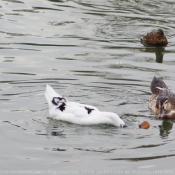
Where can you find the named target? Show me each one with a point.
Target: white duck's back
(77, 113)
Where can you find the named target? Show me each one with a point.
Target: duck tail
(50, 94)
(157, 85)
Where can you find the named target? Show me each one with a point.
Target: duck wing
(79, 110)
(149, 39)
(84, 115)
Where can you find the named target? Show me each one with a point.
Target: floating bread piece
(144, 125)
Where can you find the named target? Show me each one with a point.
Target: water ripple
(90, 52)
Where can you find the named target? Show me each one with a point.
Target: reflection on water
(53, 129)
(165, 128)
(159, 52)
(143, 158)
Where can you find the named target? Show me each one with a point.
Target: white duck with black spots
(77, 113)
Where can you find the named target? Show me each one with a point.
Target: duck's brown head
(164, 107)
(161, 38)
(160, 32)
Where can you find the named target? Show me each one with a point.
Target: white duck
(77, 113)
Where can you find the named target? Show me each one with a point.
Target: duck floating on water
(162, 100)
(82, 114)
(155, 38)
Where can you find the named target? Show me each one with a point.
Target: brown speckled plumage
(162, 100)
(155, 38)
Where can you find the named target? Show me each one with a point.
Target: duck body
(162, 101)
(77, 113)
(155, 38)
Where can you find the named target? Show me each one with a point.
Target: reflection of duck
(165, 128)
(155, 38)
(162, 100)
(77, 113)
(159, 52)
(53, 129)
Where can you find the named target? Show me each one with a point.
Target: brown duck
(155, 38)
(162, 100)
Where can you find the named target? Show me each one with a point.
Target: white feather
(49, 94)
(78, 113)
(162, 89)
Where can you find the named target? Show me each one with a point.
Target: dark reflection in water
(165, 128)
(53, 129)
(144, 158)
(59, 149)
(159, 52)
(96, 150)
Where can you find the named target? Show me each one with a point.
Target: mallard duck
(155, 38)
(162, 100)
(82, 114)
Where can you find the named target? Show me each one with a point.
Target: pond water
(90, 52)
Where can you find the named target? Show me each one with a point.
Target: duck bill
(161, 113)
